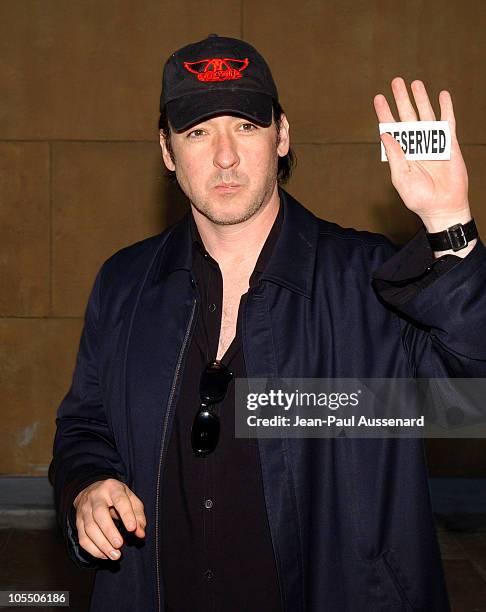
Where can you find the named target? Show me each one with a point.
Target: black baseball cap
(217, 75)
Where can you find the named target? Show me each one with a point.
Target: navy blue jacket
(350, 519)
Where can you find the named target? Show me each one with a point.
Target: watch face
(457, 237)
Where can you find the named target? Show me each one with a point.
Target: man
(151, 485)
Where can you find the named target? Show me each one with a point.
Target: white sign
(420, 139)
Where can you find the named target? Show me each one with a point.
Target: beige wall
(81, 174)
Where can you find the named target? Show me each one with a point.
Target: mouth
(227, 187)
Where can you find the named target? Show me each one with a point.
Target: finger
(114, 514)
(447, 111)
(101, 516)
(122, 504)
(426, 112)
(138, 509)
(98, 538)
(405, 108)
(395, 154)
(87, 544)
(382, 109)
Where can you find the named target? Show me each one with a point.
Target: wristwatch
(456, 237)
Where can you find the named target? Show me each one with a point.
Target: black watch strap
(455, 237)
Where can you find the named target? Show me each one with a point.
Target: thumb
(138, 509)
(395, 154)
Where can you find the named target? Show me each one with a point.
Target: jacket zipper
(162, 448)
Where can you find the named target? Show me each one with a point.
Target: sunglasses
(215, 379)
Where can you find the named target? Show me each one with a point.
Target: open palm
(437, 191)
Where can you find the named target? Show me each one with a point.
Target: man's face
(227, 166)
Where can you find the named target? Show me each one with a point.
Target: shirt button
(212, 307)
(208, 503)
(209, 574)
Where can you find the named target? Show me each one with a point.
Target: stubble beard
(257, 200)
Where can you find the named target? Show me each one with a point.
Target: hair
(286, 164)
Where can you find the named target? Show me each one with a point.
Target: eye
(248, 127)
(195, 133)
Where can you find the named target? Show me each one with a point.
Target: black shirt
(217, 553)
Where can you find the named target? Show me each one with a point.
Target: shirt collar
(267, 248)
(293, 258)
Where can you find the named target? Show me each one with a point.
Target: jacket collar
(293, 259)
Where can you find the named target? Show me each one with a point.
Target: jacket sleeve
(84, 450)
(441, 306)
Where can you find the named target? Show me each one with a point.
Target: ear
(165, 152)
(284, 142)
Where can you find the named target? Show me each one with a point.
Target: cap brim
(194, 108)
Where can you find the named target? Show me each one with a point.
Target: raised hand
(437, 191)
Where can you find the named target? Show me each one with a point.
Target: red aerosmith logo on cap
(217, 69)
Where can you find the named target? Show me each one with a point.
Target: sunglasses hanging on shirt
(215, 379)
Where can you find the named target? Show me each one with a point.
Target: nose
(225, 154)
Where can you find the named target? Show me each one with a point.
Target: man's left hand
(437, 191)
